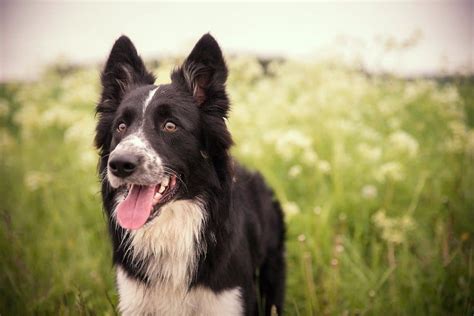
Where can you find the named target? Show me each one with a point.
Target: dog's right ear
(123, 71)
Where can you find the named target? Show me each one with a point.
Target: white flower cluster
(404, 143)
(393, 229)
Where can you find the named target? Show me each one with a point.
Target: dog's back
(264, 235)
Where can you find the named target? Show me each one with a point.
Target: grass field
(375, 174)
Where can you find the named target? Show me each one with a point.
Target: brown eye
(169, 127)
(122, 127)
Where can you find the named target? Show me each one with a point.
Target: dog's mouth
(142, 203)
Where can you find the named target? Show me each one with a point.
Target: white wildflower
(36, 179)
(324, 166)
(455, 143)
(245, 149)
(291, 208)
(370, 153)
(291, 142)
(295, 171)
(310, 157)
(317, 210)
(301, 238)
(391, 170)
(58, 115)
(393, 229)
(369, 192)
(404, 142)
(370, 134)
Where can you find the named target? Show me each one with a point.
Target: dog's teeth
(165, 182)
(156, 198)
(162, 188)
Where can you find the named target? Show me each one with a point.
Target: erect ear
(124, 70)
(204, 71)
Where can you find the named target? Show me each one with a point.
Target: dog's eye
(169, 127)
(122, 127)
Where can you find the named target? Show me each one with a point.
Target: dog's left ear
(204, 73)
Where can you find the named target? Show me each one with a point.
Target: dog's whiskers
(169, 171)
(103, 178)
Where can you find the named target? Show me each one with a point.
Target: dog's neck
(170, 245)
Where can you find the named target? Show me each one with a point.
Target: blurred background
(359, 114)
(35, 33)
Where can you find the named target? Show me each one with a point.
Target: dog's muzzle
(124, 164)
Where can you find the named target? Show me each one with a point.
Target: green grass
(375, 176)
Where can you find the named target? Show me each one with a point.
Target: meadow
(375, 175)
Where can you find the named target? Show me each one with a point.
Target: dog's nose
(123, 165)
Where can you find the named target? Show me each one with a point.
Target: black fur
(244, 231)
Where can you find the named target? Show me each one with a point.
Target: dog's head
(166, 142)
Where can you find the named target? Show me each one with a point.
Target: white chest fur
(171, 243)
(138, 299)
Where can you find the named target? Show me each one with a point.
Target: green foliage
(375, 176)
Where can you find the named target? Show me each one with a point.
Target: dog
(192, 231)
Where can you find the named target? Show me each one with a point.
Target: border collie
(193, 233)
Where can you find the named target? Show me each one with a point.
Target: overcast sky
(35, 33)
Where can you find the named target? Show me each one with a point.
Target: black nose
(123, 165)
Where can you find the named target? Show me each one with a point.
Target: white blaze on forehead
(134, 142)
(148, 99)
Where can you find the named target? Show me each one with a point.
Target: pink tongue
(133, 212)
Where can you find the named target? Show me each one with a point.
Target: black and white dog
(193, 233)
